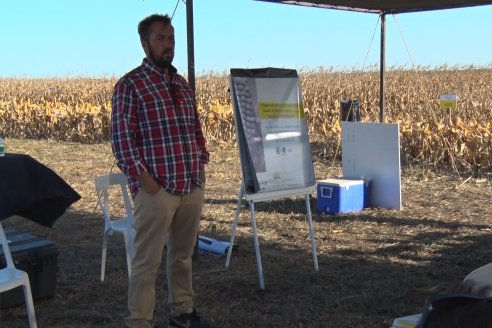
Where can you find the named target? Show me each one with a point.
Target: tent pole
(191, 47)
(191, 75)
(382, 67)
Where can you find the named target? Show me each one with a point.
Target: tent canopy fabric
(386, 6)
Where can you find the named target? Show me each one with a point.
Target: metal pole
(191, 74)
(191, 47)
(382, 66)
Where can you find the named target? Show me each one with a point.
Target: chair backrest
(103, 184)
(481, 275)
(6, 250)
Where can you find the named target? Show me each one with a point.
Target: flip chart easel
(273, 143)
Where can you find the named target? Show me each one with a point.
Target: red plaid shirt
(156, 128)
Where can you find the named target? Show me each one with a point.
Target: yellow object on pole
(448, 101)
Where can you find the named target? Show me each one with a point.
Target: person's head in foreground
(470, 306)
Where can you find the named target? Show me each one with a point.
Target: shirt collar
(154, 69)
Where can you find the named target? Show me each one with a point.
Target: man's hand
(148, 183)
(202, 173)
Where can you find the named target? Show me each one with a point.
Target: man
(159, 144)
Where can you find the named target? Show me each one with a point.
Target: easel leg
(234, 225)
(311, 234)
(257, 244)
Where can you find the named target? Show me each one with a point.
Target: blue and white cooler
(340, 195)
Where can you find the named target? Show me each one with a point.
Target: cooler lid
(341, 182)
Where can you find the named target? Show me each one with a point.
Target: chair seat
(122, 225)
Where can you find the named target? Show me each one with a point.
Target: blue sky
(98, 38)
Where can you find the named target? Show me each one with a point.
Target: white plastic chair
(481, 275)
(10, 277)
(123, 225)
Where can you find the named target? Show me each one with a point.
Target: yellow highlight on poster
(269, 110)
(448, 101)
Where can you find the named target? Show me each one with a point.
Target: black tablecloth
(32, 190)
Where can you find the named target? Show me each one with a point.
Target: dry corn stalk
(79, 110)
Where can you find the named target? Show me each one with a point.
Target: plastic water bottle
(2, 146)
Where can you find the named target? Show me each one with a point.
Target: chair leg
(29, 303)
(103, 260)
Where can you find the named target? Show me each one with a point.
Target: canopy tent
(380, 7)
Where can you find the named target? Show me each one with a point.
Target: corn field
(79, 109)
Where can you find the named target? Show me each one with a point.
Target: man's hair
(477, 314)
(144, 25)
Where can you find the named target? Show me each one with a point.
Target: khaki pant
(159, 216)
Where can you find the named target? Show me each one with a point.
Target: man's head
(157, 39)
(457, 311)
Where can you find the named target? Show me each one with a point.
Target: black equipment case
(37, 257)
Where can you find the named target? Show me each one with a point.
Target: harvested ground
(374, 265)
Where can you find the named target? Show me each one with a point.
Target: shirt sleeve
(124, 124)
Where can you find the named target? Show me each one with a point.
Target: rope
(176, 7)
(351, 108)
(370, 44)
(446, 142)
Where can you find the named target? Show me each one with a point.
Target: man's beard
(159, 61)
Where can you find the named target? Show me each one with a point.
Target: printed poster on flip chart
(271, 130)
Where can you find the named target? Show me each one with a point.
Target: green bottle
(2, 146)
